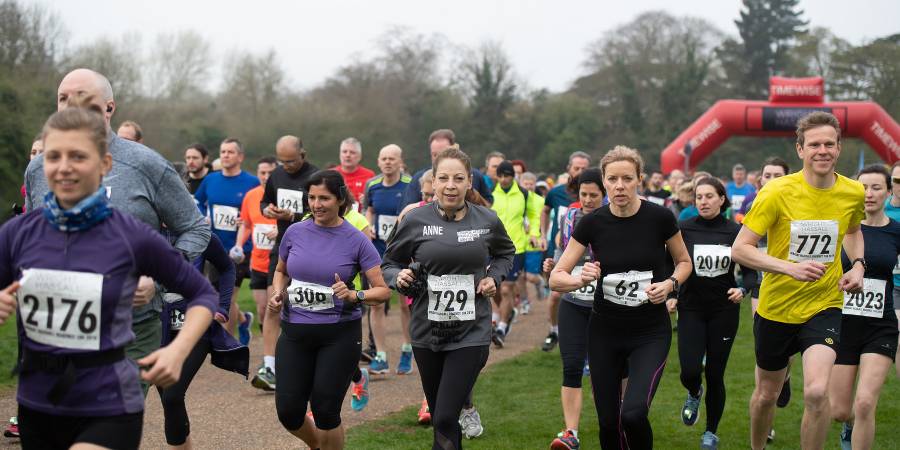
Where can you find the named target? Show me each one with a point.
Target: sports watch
(360, 296)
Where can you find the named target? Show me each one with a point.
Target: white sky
(546, 40)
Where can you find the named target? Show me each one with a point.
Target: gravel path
(227, 413)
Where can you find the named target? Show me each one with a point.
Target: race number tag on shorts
(260, 240)
(310, 296)
(586, 292)
(869, 302)
(176, 319)
(628, 288)
(225, 218)
(711, 260)
(736, 202)
(897, 266)
(813, 240)
(451, 297)
(386, 224)
(61, 308)
(291, 200)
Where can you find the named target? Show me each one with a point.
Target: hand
(272, 235)
(590, 273)
(534, 242)
(807, 271)
(735, 295)
(542, 244)
(658, 292)
(487, 287)
(548, 265)
(671, 305)
(8, 301)
(341, 290)
(145, 291)
(852, 281)
(405, 278)
(275, 302)
(219, 317)
(369, 233)
(236, 254)
(274, 212)
(162, 367)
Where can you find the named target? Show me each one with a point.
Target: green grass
(519, 405)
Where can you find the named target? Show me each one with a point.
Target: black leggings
(446, 379)
(711, 333)
(573, 341)
(314, 364)
(612, 345)
(177, 424)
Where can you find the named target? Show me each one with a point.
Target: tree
(181, 63)
(119, 59)
(868, 72)
(491, 90)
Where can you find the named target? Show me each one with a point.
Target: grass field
(519, 405)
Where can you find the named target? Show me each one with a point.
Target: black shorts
(866, 335)
(258, 280)
(51, 431)
(241, 271)
(776, 342)
(518, 266)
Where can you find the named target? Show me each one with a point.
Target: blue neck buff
(88, 212)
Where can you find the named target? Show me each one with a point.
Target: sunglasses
(895, 180)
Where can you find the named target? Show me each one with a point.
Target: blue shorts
(518, 265)
(533, 262)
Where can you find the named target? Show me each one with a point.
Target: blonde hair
(80, 119)
(623, 153)
(427, 177)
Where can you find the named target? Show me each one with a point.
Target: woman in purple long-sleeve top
(69, 271)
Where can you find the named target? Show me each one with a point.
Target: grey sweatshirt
(143, 184)
(450, 315)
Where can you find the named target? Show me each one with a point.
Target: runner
(131, 131)
(355, 175)
(807, 216)
(318, 349)
(514, 206)
(142, 184)
(76, 385)
(655, 192)
(450, 325)
(892, 209)
(219, 197)
(738, 189)
(264, 232)
(558, 200)
(283, 200)
(196, 163)
(438, 141)
(869, 334)
(491, 161)
(574, 314)
(226, 353)
(709, 307)
(530, 285)
(382, 199)
(630, 322)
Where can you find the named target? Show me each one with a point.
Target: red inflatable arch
(789, 100)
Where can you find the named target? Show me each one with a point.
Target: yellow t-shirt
(359, 222)
(804, 223)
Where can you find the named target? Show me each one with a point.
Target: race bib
(310, 296)
(260, 240)
(225, 218)
(813, 240)
(386, 225)
(656, 200)
(176, 319)
(897, 266)
(291, 200)
(451, 298)
(61, 308)
(586, 292)
(711, 260)
(628, 288)
(737, 201)
(869, 302)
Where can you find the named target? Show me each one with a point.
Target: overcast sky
(546, 40)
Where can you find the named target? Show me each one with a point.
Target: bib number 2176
(61, 308)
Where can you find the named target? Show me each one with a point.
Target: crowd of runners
(123, 272)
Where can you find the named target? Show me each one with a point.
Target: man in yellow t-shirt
(808, 216)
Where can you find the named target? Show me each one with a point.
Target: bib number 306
(814, 240)
(451, 297)
(310, 296)
(869, 302)
(61, 308)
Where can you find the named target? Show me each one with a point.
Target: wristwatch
(863, 261)
(674, 284)
(360, 296)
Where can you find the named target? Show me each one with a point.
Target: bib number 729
(451, 298)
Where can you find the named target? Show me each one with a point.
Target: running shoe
(846, 434)
(550, 342)
(771, 436)
(368, 354)
(379, 366)
(359, 396)
(709, 441)
(264, 379)
(244, 334)
(526, 307)
(470, 422)
(565, 440)
(12, 430)
(498, 337)
(424, 413)
(785, 396)
(405, 365)
(691, 411)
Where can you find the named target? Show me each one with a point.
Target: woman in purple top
(70, 271)
(319, 346)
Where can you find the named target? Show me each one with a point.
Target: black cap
(505, 168)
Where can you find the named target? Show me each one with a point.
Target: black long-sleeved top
(281, 179)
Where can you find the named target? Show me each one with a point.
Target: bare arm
(854, 245)
(745, 253)
(561, 278)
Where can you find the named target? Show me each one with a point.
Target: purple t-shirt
(313, 255)
(63, 275)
